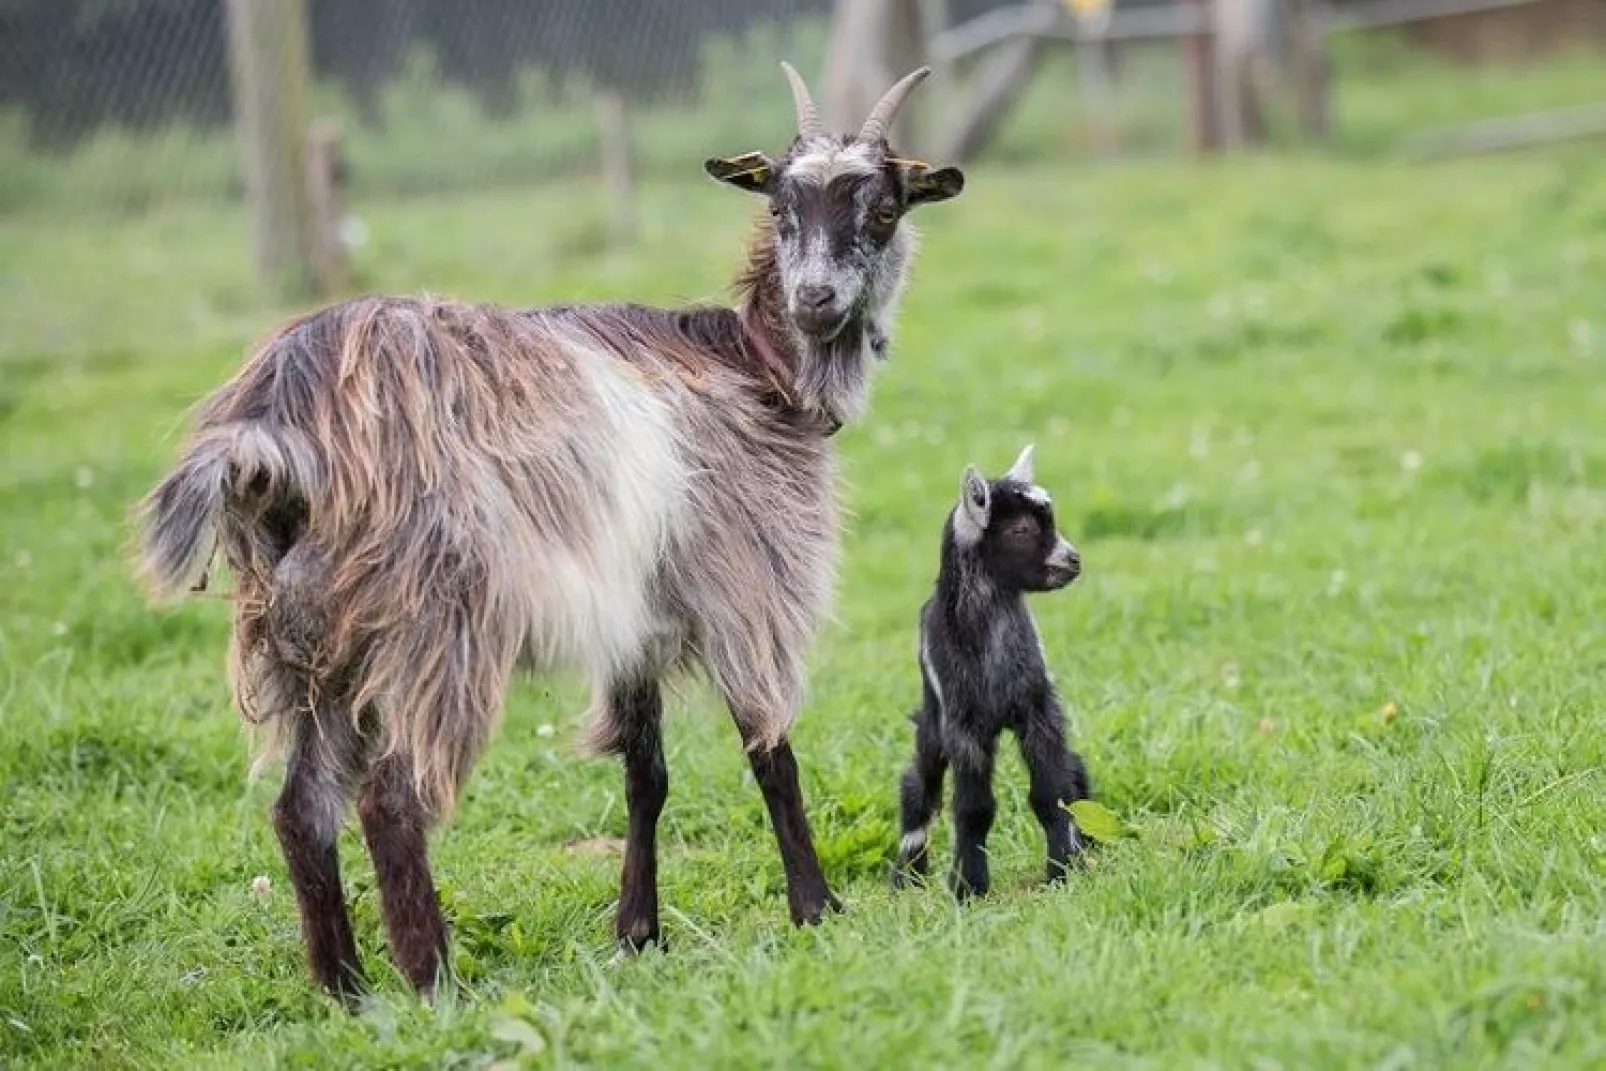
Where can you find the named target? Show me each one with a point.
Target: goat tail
(180, 521)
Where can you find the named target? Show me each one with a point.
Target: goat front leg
(775, 769)
(920, 799)
(1058, 777)
(395, 824)
(307, 818)
(636, 712)
(974, 808)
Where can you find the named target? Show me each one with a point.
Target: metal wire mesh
(125, 104)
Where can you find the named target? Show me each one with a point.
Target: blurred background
(307, 109)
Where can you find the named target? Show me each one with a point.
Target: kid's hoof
(965, 889)
(904, 877)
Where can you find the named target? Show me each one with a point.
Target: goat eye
(775, 210)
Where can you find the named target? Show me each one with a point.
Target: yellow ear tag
(757, 167)
(917, 166)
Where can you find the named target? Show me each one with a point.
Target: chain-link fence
(124, 104)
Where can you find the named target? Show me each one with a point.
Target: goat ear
(751, 171)
(1021, 471)
(927, 187)
(975, 506)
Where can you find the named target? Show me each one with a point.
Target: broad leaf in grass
(1098, 821)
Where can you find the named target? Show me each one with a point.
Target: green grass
(1328, 436)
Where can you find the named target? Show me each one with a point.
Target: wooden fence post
(1199, 62)
(326, 173)
(618, 163)
(269, 68)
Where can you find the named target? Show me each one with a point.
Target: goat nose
(815, 297)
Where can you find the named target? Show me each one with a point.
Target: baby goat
(417, 496)
(982, 671)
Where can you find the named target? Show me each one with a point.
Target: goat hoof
(638, 939)
(909, 873)
(352, 993)
(967, 889)
(813, 913)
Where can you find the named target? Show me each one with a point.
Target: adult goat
(418, 496)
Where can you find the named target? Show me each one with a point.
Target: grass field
(1329, 439)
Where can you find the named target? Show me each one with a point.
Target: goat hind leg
(1058, 777)
(920, 799)
(395, 825)
(324, 753)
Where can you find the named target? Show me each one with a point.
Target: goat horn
(808, 117)
(886, 110)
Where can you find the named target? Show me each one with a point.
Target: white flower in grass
(1336, 581)
(22, 560)
(1411, 460)
(59, 628)
(544, 730)
(84, 478)
(1231, 678)
(261, 885)
(1254, 537)
(1582, 333)
(1032, 324)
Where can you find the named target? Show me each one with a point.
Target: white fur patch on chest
(931, 672)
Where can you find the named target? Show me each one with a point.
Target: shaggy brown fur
(417, 495)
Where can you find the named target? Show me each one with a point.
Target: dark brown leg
(307, 818)
(394, 823)
(807, 895)
(637, 712)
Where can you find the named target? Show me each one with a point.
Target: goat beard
(831, 375)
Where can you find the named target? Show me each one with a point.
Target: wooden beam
(1512, 132)
(1376, 14)
(1047, 23)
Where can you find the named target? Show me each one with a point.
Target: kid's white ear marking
(975, 505)
(1021, 470)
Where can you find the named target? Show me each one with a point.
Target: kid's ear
(975, 506)
(752, 171)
